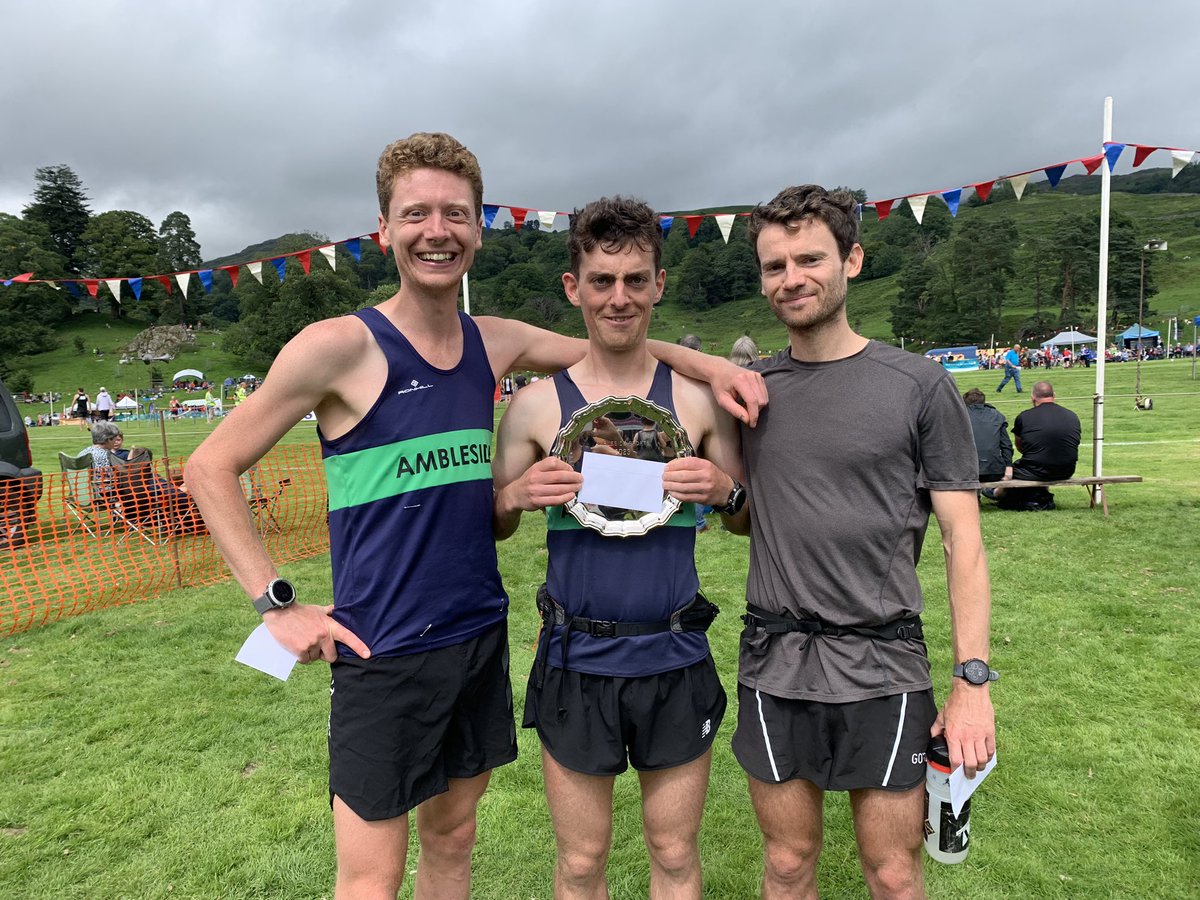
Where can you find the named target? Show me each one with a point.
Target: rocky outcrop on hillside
(159, 342)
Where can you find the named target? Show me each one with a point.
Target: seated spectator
(1048, 438)
(990, 430)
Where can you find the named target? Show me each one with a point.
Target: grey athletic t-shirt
(839, 471)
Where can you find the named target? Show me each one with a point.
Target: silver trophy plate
(630, 427)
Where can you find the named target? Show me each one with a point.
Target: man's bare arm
(967, 718)
(707, 478)
(296, 384)
(524, 478)
(740, 392)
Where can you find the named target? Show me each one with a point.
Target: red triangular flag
(378, 242)
(305, 257)
(92, 285)
(22, 278)
(1140, 154)
(1092, 163)
(518, 215)
(983, 190)
(883, 208)
(164, 281)
(233, 273)
(693, 224)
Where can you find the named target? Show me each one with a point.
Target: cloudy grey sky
(258, 119)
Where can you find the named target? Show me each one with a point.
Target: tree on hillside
(28, 313)
(910, 310)
(1124, 271)
(982, 257)
(60, 204)
(179, 251)
(1075, 250)
(122, 243)
(274, 312)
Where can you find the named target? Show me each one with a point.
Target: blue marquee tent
(1136, 334)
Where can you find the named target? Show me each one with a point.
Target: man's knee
(581, 864)
(895, 874)
(448, 840)
(790, 862)
(674, 853)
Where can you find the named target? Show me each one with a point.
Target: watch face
(282, 592)
(976, 671)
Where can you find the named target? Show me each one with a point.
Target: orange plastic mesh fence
(85, 539)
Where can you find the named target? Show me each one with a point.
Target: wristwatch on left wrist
(975, 671)
(279, 594)
(737, 499)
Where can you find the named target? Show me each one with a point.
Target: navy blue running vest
(635, 579)
(410, 503)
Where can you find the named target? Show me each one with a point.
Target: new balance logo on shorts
(705, 728)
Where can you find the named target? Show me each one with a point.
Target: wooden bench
(1091, 482)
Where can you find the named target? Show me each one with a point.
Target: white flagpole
(1102, 309)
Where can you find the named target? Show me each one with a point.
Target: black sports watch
(737, 499)
(975, 671)
(279, 594)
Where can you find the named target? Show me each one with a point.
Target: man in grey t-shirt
(860, 442)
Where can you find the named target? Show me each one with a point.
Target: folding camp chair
(145, 504)
(78, 497)
(262, 503)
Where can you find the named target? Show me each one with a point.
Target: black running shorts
(878, 743)
(652, 722)
(400, 726)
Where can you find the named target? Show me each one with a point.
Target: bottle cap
(939, 753)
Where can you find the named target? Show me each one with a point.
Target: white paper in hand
(619, 481)
(962, 787)
(263, 652)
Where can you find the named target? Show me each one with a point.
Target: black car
(20, 484)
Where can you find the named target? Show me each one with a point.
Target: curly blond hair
(426, 150)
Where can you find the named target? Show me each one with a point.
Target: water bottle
(947, 836)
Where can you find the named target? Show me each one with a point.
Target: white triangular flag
(182, 279)
(1018, 183)
(256, 270)
(1179, 160)
(546, 217)
(114, 285)
(725, 223)
(330, 256)
(917, 205)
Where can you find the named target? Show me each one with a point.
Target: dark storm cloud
(257, 120)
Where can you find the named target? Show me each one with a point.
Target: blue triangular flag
(489, 214)
(73, 288)
(1053, 173)
(952, 199)
(664, 222)
(355, 248)
(1112, 153)
(135, 285)
(205, 276)
(280, 264)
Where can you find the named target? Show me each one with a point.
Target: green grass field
(138, 760)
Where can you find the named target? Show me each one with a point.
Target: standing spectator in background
(81, 407)
(174, 408)
(744, 352)
(1048, 438)
(990, 430)
(210, 406)
(1012, 368)
(104, 405)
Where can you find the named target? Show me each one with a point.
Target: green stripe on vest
(394, 469)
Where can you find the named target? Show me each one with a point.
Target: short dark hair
(973, 396)
(807, 202)
(690, 341)
(614, 223)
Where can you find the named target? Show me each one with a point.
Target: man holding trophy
(623, 672)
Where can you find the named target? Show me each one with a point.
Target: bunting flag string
(1111, 152)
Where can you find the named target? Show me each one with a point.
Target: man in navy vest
(623, 672)
(403, 398)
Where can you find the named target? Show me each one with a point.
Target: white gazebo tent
(1068, 338)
